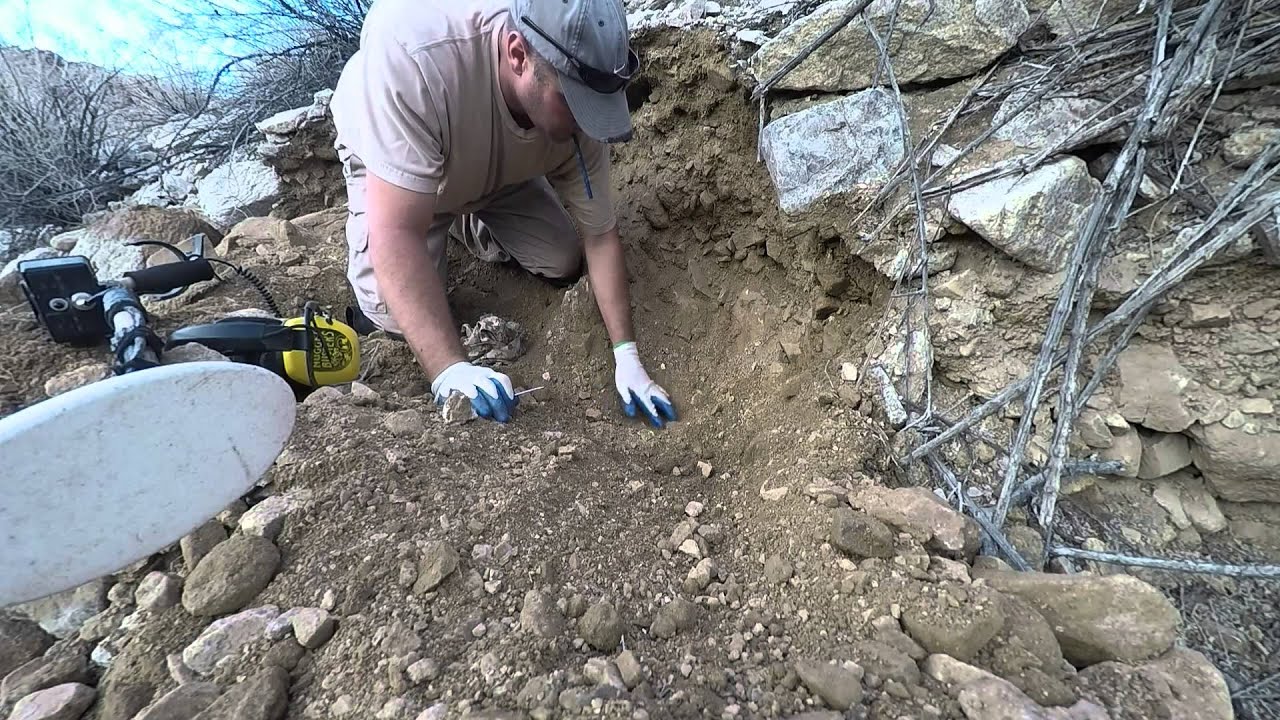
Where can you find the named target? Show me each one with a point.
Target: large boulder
(237, 190)
(105, 236)
(1238, 466)
(1035, 218)
(933, 40)
(1096, 619)
(231, 575)
(833, 148)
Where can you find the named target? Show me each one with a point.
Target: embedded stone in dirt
(1243, 147)
(953, 673)
(1126, 449)
(924, 515)
(75, 378)
(227, 637)
(630, 669)
(601, 627)
(439, 560)
(21, 640)
(1239, 467)
(860, 535)
(1201, 508)
(1182, 683)
(675, 617)
(996, 699)
(1033, 218)
(777, 570)
(887, 662)
(540, 615)
(313, 627)
(839, 686)
(1151, 386)
(955, 621)
(405, 423)
(700, 576)
(423, 670)
(266, 519)
(61, 702)
(969, 35)
(230, 576)
(200, 542)
(158, 591)
(1163, 454)
(264, 696)
(833, 147)
(182, 703)
(63, 614)
(1115, 617)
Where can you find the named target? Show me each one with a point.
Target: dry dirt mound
(749, 561)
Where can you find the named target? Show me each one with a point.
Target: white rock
(1034, 219)
(237, 190)
(313, 627)
(1046, 122)
(266, 519)
(67, 701)
(158, 591)
(9, 277)
(227, 637)
(63, 614)
(693, 509)
(752, 37)
(833, 148)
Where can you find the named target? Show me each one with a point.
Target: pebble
(343, 706)
(313, 627)
(630, 669)
(601, 627)
(439, 561)
(690, 547)
(393, 709)
(693, 509)
(423, 670)
(439, 711)
(705, 468)
(777, 570)
(594, 414)
(329, 601)
(158, 591)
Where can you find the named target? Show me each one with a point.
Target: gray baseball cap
(588, 43)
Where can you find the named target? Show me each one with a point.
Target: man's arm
(607, 270)
(399, 221)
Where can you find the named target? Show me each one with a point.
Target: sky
(129, 35)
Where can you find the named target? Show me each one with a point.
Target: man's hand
(637, 390)
(491, 393)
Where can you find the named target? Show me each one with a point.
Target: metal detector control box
(62, 293)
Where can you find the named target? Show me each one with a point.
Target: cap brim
(604, 118)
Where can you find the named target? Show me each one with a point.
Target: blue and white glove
(637, 390)
(490, 393)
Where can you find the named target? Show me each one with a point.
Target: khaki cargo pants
(524, 222)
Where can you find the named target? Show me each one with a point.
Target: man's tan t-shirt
(420, 105)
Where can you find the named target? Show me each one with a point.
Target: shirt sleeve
(594, 215)
(392, 118)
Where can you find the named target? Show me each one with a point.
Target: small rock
(705, 469)
(1163, 454)
(601, 627)
(602, 672)
(179, 671)
(266, 519)
(693, 509)
(439, 711)
(1243, 147)
(227, 637)
(64, 662)
(690, 547)
(777, 570)
(200, 542)
(700, 576)
(231, 575)
(192, 352)
(860, 535)
(674, 617)
(923, 515)
(313, 627)
(393, 709)
(839, 686)
(264, 696)
(629, 667)
(458, 410)
(343, 706)
(887, 662)
(439, 561)
(75, 378)
(405, 423)
(282, 626)
(424, 670)
(959, 628)
(182, 703)
(61, 702)
(158, 591)
(1200, 315)
(540, 615)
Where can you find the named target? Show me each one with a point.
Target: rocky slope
(765, 557)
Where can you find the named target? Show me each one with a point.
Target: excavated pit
(746, 317)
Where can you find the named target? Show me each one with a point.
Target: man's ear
(518, 54)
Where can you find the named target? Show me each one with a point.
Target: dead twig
(1189, 566)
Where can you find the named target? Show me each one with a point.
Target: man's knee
(564, 269)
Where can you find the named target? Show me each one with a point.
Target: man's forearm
(415, 296)
(607, 270)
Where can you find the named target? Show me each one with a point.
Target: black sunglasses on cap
(598, 80)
